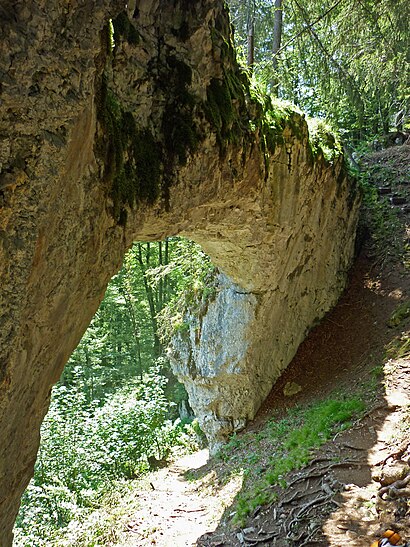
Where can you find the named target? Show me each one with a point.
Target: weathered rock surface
(145, 131)
(289, 264)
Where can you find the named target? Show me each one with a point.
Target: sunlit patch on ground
(362, 513)
(178, 504)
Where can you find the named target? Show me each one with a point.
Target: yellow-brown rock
(123, 122)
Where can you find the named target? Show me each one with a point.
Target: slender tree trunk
(150, 296)
(134, 322)
(277, 39)
(251, 35)
(89, 369)
(166, 262)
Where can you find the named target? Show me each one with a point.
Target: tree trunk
(277, 39)
(251, 36)
(150, 296)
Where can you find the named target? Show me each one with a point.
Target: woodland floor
(334, 500)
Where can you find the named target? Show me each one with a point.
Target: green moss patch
(226, 108)
(181, 135)
(125, 30)
(132, 156)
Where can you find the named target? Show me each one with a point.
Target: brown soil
(333, 501)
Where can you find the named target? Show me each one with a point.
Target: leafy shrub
(85, 448)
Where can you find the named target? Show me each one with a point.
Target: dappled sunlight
(361, 513)
(359, 339)
(179, 504)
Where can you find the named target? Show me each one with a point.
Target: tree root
(397, 454)
(395, 490)
(259, 540)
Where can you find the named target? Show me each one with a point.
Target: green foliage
(115, 405)
(86, 447)
(290, 443)
(344, 61)
(194, 276)
(380, 221)
(323, 138)
(122, 342)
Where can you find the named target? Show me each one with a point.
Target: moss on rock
(181, 135)
(226, 108)
(131, 156)
(323, 140)
(125, 30)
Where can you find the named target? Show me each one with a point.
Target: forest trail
(175, 511)
(335, 499)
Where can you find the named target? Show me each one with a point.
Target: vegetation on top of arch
(324, 139)
(278, 113)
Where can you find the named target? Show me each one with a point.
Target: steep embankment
(360, 351)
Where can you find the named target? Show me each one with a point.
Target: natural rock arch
(139, 129)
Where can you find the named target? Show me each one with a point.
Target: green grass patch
(381, 222)
(400, 314)
(283, 446)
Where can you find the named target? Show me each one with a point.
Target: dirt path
(333, 501)
(362, 514)
(175, 511)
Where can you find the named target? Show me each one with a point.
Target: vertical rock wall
(287, 251)
(121, 122)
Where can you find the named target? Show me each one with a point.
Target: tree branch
(308, 27)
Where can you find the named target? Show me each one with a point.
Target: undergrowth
(379, 219)
(283, 446)
(380, 222)
(399, 347)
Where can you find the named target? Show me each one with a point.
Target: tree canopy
(344, 60)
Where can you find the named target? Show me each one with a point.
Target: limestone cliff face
(287, 258)
(123, 122)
